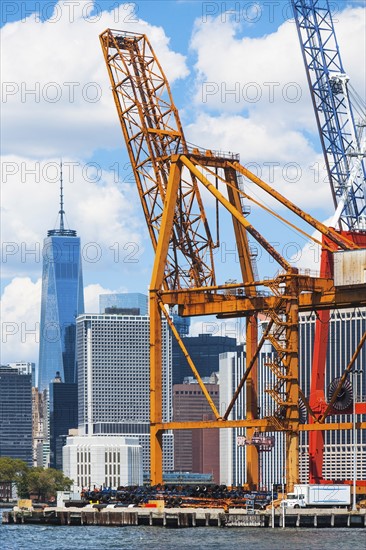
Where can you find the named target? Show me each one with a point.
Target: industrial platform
(188, 517)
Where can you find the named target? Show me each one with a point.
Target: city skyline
(271, 134)
(98, 184)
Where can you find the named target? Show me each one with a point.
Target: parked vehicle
(322, 496)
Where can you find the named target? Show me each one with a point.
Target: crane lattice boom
(342, 136)
(153, 132)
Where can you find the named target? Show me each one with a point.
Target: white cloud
(20, 314)
(265, 75)
(56, 91)
(105, 213)
(258, 86)
(275, 135)
(91, 296)
(290, 163)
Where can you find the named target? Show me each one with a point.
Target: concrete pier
(187, 517)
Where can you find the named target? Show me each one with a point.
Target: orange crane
(172, 178)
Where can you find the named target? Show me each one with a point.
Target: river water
(40, 537)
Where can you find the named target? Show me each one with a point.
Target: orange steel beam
(343, 242)
(246, 266)
(204, 303)
(262, 424)
(156, 391)
(292, 387)
(241, 237)
(306, 284)
(156, 366)
(236, 214)
(251, 398)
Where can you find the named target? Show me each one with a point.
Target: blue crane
(339, 112)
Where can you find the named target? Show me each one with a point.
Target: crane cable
(267, 209)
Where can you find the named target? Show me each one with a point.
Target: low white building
(104, 460)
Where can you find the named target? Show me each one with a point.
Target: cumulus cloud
(252, 97)
(265, 75)
(104, 212)
(20, 314)
(56, 91)
(289, 164)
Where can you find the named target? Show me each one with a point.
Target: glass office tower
(62, 302)
(126, 301)
(16, 414)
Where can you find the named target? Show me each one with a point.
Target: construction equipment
(170, 175)
(341, 119)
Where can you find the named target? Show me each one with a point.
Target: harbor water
(41, 537)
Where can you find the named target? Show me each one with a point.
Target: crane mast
(342, 135)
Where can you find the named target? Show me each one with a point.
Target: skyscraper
(346, 328)
(204, 351)
(16, 414)
(124, 301)
(113, 353)
(25, 367)
(62, 302)
(196, 450)
(232, 455)
(63, 415)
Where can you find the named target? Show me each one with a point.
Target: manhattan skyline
(66, 110)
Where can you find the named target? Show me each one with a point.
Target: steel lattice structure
(153, 132)
(342, 136)
(169, 175)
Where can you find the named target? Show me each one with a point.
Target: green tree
(11, 468)
(14, 470)
(33, 481)
(46, 483)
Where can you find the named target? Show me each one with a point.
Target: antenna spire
(62, 232)
(61, 211)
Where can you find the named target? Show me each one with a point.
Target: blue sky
(238, 81)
